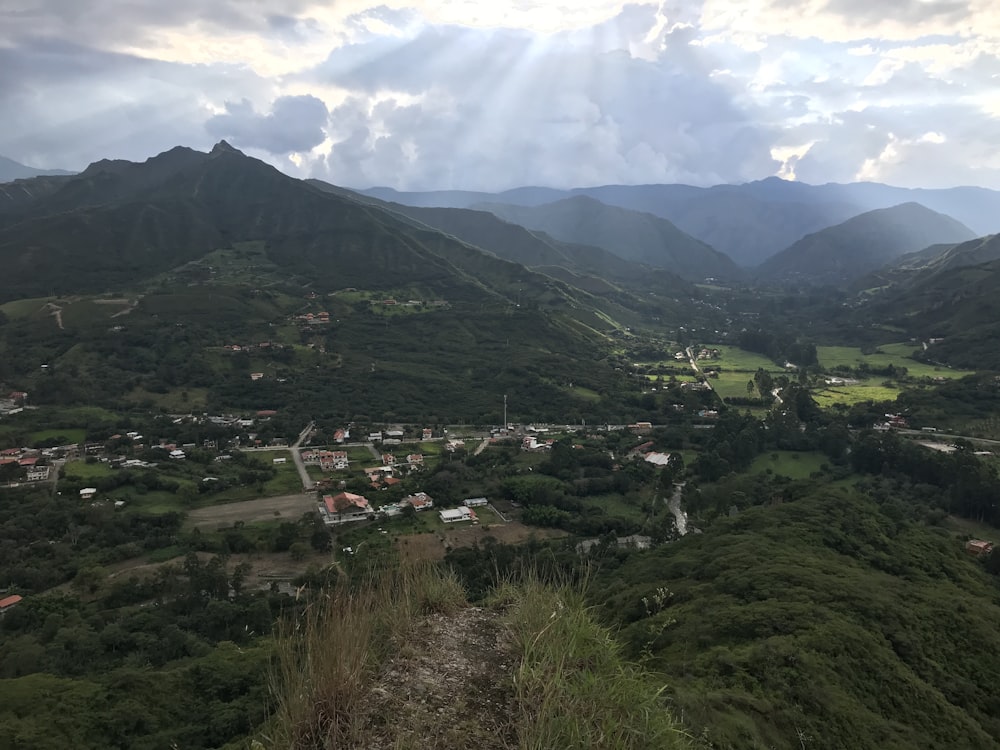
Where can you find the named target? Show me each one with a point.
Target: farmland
(896, 355)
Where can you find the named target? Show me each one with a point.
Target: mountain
(635, 236)
(584, 266)
(860, 245)
(132, 281)
(11, 170)
(748, 222)
(936, 259)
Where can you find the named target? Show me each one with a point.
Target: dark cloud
(295, 124)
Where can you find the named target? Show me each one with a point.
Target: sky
(460, 94)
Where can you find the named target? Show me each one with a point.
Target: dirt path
(287, 507)
(56, 312)
(450, 688)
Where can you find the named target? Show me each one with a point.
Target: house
(388, 459)
(641, 428)
(341, 435)
(345, 508)
(374, 436)
(38, 473)
(177, 454)
(9, 602)
(454, 515)
(475, 502)
(20, 396)
(279, 460)
(415, 460)
(397, 434)
(87, 493)
(256, 375)
(427, 434)
(978, 547)
(419, 501)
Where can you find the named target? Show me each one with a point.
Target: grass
(574, 688)
(328, 657)
(734, 358)
(897, 355)
(789, 464)
(71, 435)
(866, 390)
(83, 470)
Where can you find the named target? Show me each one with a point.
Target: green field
(897, 355)
(867, 390)
(734, 358)
(789, 464)
(71, 435)
(83, 470)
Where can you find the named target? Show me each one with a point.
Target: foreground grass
(571, 684)
(574, 687)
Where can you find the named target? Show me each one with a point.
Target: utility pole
(505, 412)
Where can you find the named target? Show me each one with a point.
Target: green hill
(848, 251)
(638, 237)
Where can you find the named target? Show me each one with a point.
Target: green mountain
(133, 281)
(584, 266)
(638, 237)
(914, 267)
(858, 246)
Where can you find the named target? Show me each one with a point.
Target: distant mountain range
(632, 235)
(11, 170)
(858, 246)
(749, 222)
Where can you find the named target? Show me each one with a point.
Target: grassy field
(789, 464)
(22, 308)
(176, 400)
(867, 390)
(70, 434)
(734, 358)
(83, 470)
(897, 355)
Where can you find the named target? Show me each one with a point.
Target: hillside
(916, 267)
(850, 250)
(638, 237)
(153, 271)
(584, 266)
(821, 622)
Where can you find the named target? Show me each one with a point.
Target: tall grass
(574, 688)
(328, 657)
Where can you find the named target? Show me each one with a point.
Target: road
(307, 482)
(674, 504)
(481, 447)
(694, 366)
(947, 436)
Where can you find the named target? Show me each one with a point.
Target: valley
(227, 393)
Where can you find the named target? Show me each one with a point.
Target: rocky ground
(448, 687)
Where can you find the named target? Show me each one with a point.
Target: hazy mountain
(863, 244)
(748, 222)
(638, 237)
(584, 266)
(11, 170)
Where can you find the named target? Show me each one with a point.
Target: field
(789, 464)
(897, 355)
(866, 390)
(287, 508)
(433, 546)
(736, 367)
(65, 435)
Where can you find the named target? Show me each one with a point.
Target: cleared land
(866, 390)
(789, 464)
(433, 546)
(262, 509)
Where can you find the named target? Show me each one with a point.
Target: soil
(449, 687)
(285, 507)
(433, 546)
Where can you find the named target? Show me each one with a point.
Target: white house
(475, 502)
(88, 493)
(454, 515)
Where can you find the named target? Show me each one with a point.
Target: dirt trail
(450, 689)
(56, 311)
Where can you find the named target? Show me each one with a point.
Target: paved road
(947, 436)
(307, 482)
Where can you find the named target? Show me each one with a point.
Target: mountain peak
(223, 147)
